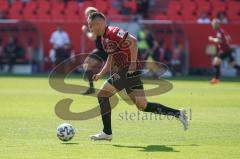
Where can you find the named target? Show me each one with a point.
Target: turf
(28, 123)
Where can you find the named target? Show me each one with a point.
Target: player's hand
(132, 68)
(84, 28)
(96, 77)
(210, 38)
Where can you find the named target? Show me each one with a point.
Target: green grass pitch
(28, 123)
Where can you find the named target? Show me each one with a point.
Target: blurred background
(174, 32)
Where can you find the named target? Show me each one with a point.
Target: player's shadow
(70, 143)
(155, 148)
(151, 148)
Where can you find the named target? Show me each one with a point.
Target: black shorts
(123, 80)
(99, 55)
(226, 55)
(60, 55)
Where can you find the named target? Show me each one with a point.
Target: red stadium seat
(16, 6)
(57, 6)
(189, 16)
(234, 15)
(43, 5)
(189, 5)
(175, 16)
(87, 4)
(130, 4)
(14, 14)
(233, 5)
(4, 6)
(59, 16)
(102, 6)
(220, 5)
(174, 6)
(71, 12)
(72, 6)
(32, 6)
(72, 16)
(57, 11)
(29, 15)
(42, 15)
(113, 11)
(204, 6)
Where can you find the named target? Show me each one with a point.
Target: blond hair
(90, 10)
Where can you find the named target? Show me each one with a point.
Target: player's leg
(216, 64)
(103, 95)
(91, 65)
(139, 98)
(233, 62)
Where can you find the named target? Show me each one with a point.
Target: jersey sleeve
(118, 34)
(221, 35)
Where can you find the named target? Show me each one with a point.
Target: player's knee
(141, 105)
(216, 61)
(85, 66)
(103, 93)
(100, 94)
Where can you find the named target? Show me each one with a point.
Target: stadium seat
(4, 6)
(43, 5)
(204, 6)
(233, 5)
(57, 11)
(189, 5)
(220, 5)
(30, 6)
(174, 6)
(56, 6)
(87, 4)
(189, 16)
(72, 16)
(113, 11)
(175, 16)
(101, 5)
(57, 15)
(71, 12)
(14, 14)
(29, 15)
(16, 7)
(42, 15)
(130, 4)
(234, 15)
(72, 6)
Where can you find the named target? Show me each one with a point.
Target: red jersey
(223, 46)
(114, 42)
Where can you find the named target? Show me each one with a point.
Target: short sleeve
(119, 35)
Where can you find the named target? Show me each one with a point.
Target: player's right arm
(214, 39)
(106, 68)
(89, 35)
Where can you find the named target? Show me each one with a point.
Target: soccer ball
(65, 132)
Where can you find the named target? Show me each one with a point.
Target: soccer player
(122, 54)
(223, 50)
(96, 57)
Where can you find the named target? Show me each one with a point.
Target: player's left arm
(134, 52)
